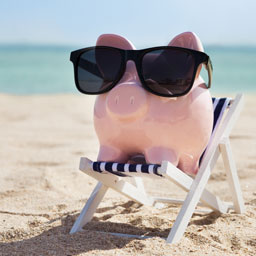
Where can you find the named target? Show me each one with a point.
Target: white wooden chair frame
(197, 194)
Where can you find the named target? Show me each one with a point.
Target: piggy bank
(130, 121)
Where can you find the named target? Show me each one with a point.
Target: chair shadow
(56, 240)
(206, 219)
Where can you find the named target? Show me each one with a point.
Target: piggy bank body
(131, 121)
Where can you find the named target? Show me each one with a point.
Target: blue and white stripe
(123, 169)
(219, 106)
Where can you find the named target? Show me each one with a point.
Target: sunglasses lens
(168, 72)
(98, 69)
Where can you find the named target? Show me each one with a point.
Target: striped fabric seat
(122, 169)
(219, 106)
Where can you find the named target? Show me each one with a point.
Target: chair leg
(189, 206)
(139, 184)
(90, 207)
(181, 179)
(232, 176)
(117, 183)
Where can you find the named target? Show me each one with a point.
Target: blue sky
(144, 22)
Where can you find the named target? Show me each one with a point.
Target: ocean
(33, 69)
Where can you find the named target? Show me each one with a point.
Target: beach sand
(42, 191)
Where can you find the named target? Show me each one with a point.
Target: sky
(146, 23)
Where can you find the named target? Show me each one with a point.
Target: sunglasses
(164, 71)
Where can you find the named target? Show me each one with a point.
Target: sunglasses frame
(137, 57)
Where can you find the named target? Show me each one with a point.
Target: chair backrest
(219, 107)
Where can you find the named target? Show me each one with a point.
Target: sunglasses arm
(209, 69)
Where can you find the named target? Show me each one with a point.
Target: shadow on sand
(56, 240)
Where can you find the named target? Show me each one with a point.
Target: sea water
(26, 69)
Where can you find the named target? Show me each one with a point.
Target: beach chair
(118, 176)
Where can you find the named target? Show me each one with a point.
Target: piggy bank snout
(127, 101)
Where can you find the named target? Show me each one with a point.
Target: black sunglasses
(165, 71)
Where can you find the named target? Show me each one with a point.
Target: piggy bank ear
(187, 40)
(114, 41)
(191, 41)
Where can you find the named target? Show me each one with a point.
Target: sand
(42, 191)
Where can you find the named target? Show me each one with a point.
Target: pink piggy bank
(131, 121)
